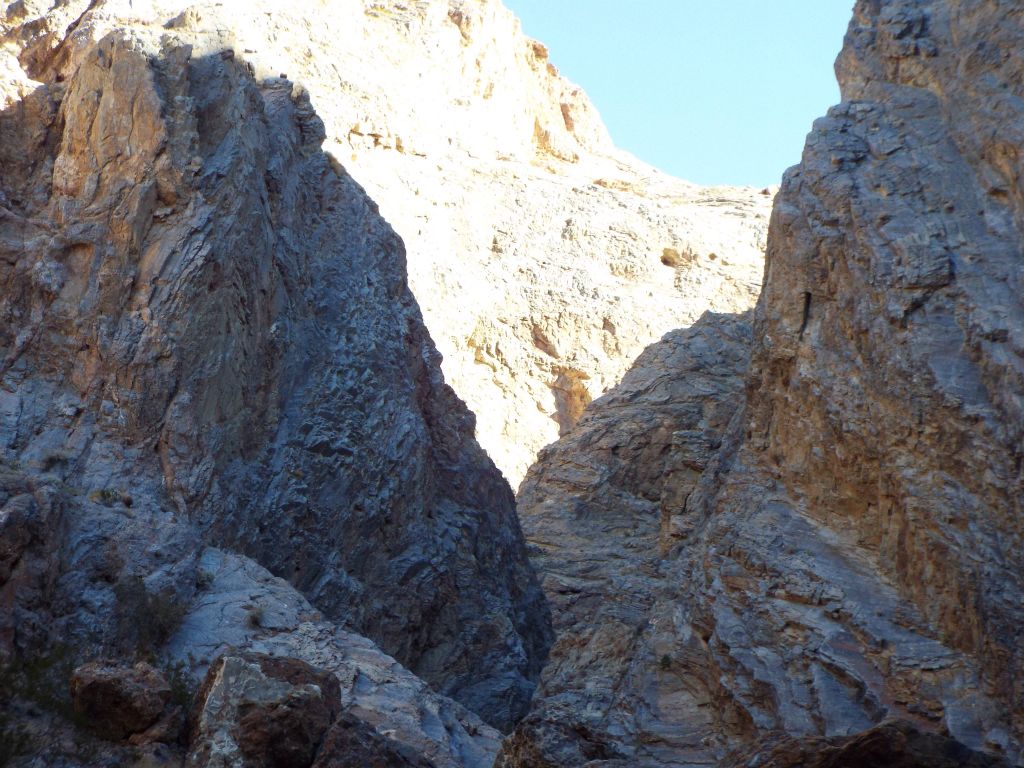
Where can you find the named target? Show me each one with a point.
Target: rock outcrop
(893, 744)
(119, 701)
(242, 611)
(256, 710)
(600, 509)
(207, 337)
(887, 391)
(543, 259)
(853, 551)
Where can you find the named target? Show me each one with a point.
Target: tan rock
(852, 552)
(537, 251)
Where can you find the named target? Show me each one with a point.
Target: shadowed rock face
(854, 551)
(894, 744)
(117, 700)
(599, 509)
(206, 335)
(602, 502)
(543, 259)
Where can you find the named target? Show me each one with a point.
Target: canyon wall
(543, 259)
(213, 364)
(207, 337)
(853, 551)
(227, 446)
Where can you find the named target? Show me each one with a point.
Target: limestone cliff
(853, 552)
(545, 260)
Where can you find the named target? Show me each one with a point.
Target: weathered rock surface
(240, 608)
(207, 336)
(853, 552)
(599, 510)
(117, 701)
(257, 710)
(893, 744)
(543, 259)
(212, 370)
(888, 383)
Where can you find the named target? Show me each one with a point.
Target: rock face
(543, 259)
(207, 335)
(118, 701)
(226, 443)
(205, 318)
(892, 327)
(893, 744)
(853, 551)
(257, 710)
(599, 505)
(241, 610)
(599, 509)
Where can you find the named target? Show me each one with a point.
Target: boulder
(262, 711)
(115, 700)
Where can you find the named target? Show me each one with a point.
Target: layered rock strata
(852, 552)
(207, 336)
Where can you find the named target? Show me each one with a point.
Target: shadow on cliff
(601, 508)
(218, 319)
(635, 426)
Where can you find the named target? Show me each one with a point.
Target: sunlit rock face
(207, 337)
(543, 259)
(853, 551)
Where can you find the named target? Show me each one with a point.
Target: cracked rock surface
(543, 259)
(852, 553)
(207, 337)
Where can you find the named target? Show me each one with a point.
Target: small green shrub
(183, 687)
(204, 579)
(14, 740)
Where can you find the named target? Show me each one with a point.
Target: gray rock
(207, 335)
(853, 552)
(256, 710)
(242, 609)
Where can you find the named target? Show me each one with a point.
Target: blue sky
(712, 91)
